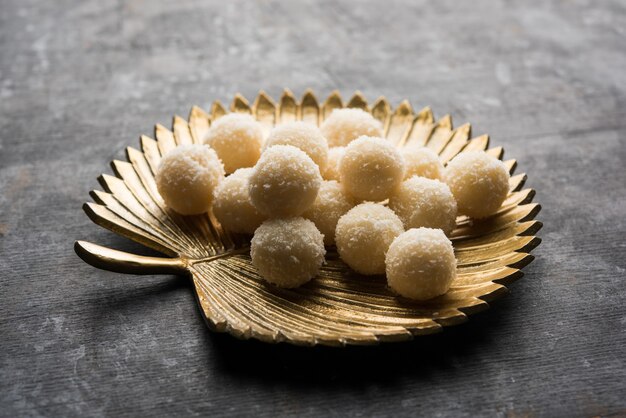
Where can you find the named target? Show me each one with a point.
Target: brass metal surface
(338, 307)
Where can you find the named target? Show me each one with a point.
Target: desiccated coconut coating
(364, 234)
(345, 125)
(187, 176)
(479, 183)
(287, 252)
(371, 169)
(284, 182)
(420, 264)
(423, 162)
(237, 139)
(303, 135)
(330, 205)
(332, 167)
(232, 206)
(422, 202)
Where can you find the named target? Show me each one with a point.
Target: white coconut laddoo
(237, 139)
(364, 234)
(330, 205)
(232, 206)
(287, 252)
(420, 264)
(479, 183)
(422, 202)
(345, 125)
(187, 177)
(284, 182)
(371, 168)
(332, 167)
(303, 135)
(423, 162)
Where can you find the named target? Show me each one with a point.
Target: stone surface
(79, 81)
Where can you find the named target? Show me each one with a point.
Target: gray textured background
(79, 81)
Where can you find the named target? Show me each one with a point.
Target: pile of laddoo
(388, 211)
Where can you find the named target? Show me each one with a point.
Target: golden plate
(339, 307)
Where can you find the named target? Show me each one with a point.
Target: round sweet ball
(232, 206)
(422, 162)
(421, 264)
(187, 177)
(332, 167)
(330, 205)
(479, 183)
(288, 252)
(237, 139)
(364, 234)
(371, 169)
(422, 202)
(303, 135)
(345, 125)
(284, 182)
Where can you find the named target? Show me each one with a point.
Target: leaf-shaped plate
(339, 307)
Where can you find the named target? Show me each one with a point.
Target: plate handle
(122, 262)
